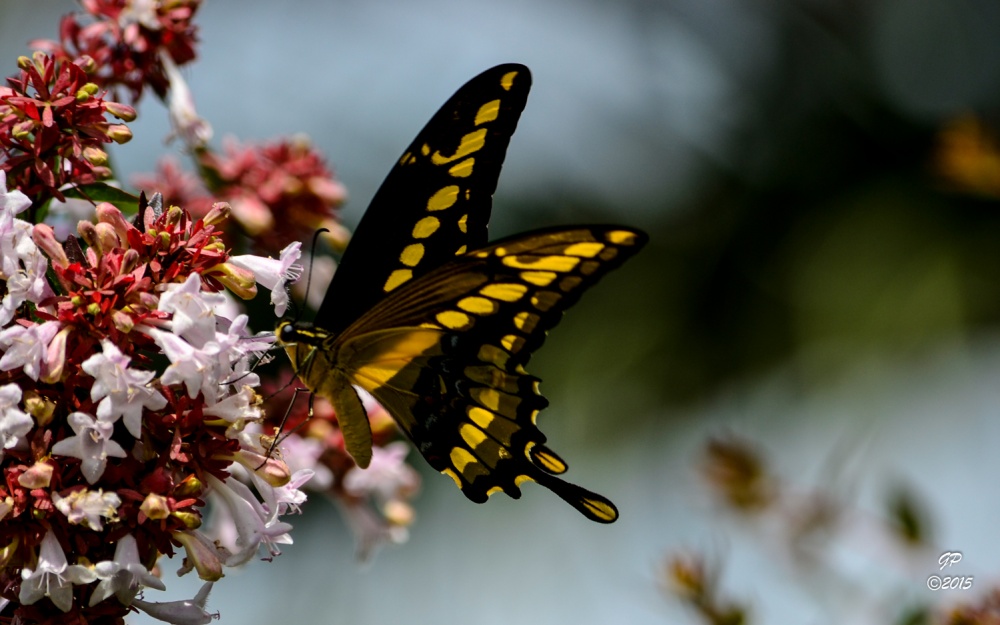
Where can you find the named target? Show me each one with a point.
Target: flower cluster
(131, 401)
(131, 42)
(53, 126)
(279, 191)
(109, 458)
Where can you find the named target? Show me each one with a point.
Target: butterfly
(437, 324)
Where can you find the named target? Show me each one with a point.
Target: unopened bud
(219, 213)
(55, 357)
(86, 63)
(240, 281)
(191, 486)
(40, 408)
(191, 520)
(87, 232)
(86, 92)
(119, 133)
(130, 260)
(95, 156)
(121, 111)
(107, 237)
(123, 321)
(202, 554)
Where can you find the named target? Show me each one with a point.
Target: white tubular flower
(54, 577)
(273, 274)
(11, 202)
(253, 525)
(195, 368)
(186, 612)
(124, 391)
(192, 309)
(86, 507)
(14, 423)
(124, 576)
(26, 347)
(92, 445)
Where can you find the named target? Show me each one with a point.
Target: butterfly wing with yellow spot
(445, 355)
(436, 201)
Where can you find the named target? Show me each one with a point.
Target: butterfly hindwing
(436, 201)
(451, 371)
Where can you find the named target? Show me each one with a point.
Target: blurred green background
(820, 183)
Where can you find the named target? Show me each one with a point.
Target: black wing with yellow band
(436, 201)
(465, 399)
(437, 324)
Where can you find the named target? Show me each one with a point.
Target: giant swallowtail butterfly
(437, 323)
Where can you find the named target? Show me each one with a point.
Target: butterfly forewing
(436, 201)
(451, 369)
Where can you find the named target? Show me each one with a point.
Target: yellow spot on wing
(443, 199)
(412, 254)
(482, 418)
(488, 112)
(508, 80)
(472, 435)
(493, 355)
(621, 237)
(453, 319)
(512, 342)
(521, 479)
(500, 428)
(600, 509)
(460, 457)
(463, 223)
(450, 473)
(544, 300)
(488, 397)
(396, 278)
(477, 305)
(425, 149)
(586, 250)
(539, 278)
(460, 251)
(471, 142)
(463, 169)
(525, 321)
(550, 263)
(426, 227)
(506, 292)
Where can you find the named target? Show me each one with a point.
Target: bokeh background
(820, 182)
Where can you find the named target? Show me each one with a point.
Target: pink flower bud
(55, 357)
(219, 213)
(107, 237)
(109, 214)
(45, 238)
(87, 232)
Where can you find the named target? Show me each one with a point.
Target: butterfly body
(437, 324)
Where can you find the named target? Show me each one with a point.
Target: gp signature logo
(947, 560)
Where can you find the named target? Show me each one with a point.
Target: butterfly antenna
(309, 275)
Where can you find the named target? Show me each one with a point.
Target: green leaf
(103, 192)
